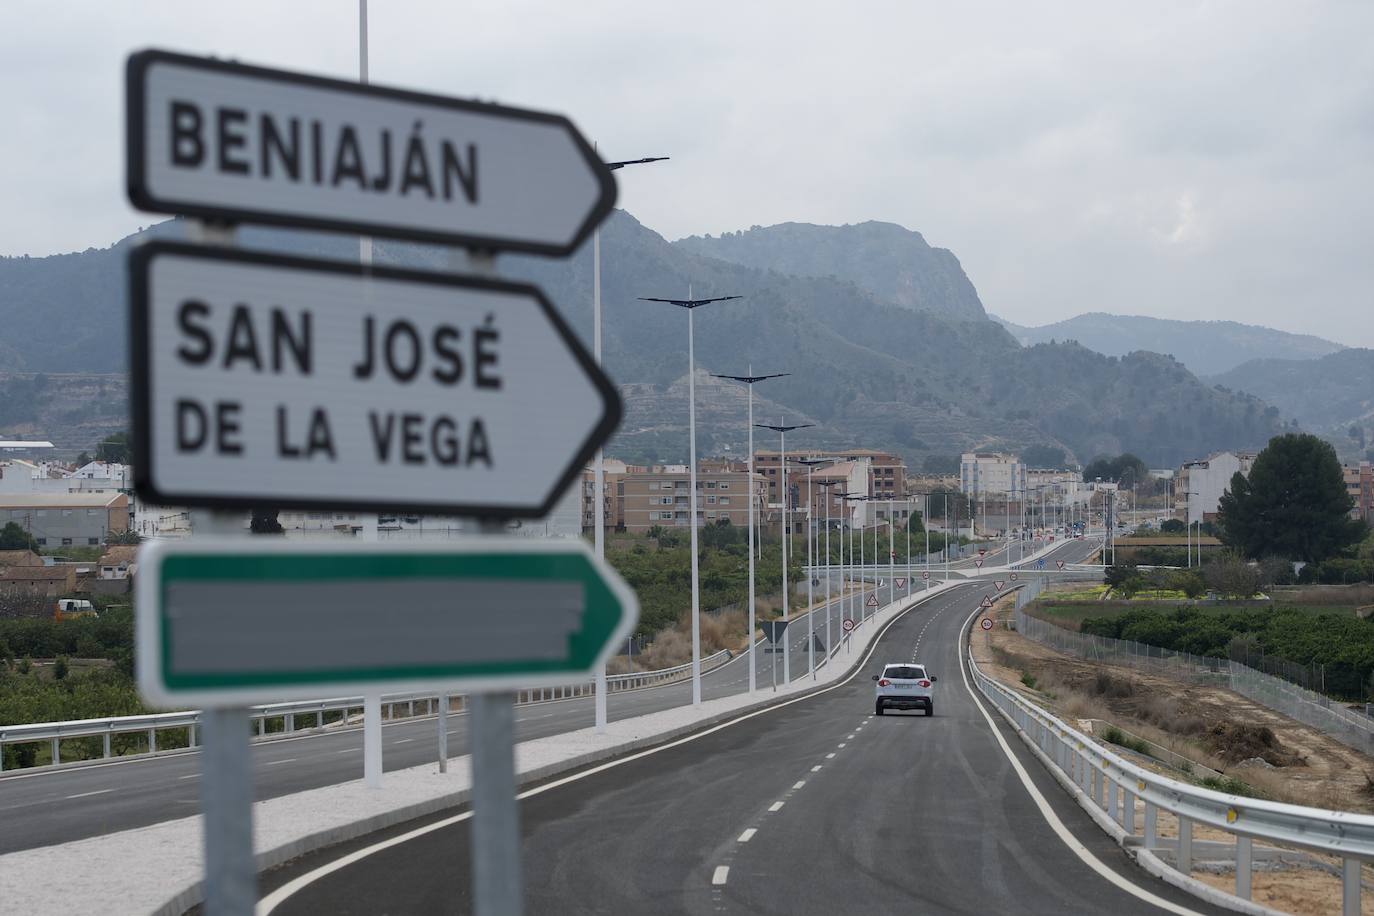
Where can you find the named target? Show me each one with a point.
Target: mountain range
(884, 337)
(1205, 347)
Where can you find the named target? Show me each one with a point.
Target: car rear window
(905, 672)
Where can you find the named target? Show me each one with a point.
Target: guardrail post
(1151, 826)
(152, 741)
(1128, 811)
(1184, 859)
(107, 742)
(1244, 862)
(1350, 887)
(191, 735)
(1113, 801)
(56, 752)
(290, 723)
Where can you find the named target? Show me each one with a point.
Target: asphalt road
(814, 807)
(47, 807)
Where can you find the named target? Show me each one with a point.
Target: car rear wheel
(878, 708)
(930, 709)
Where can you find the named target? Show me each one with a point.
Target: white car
(904, 686)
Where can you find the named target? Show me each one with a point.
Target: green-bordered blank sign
(237, 621)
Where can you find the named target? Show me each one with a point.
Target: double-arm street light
(599, 469)
(860, 498)
(691, 305)
(750, 381)
(811, 568)
(782, 429)
(829, 612)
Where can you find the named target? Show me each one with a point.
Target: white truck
(904, 685)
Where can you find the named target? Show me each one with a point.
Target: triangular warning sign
(999, 585)
(978, 562)
(1059, 563)
(901, 583)
(872, 600)
(987, 602)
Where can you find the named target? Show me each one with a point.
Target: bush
(1190, 583)
(60, 668)
(1028, 679)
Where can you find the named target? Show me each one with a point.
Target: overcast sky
(1174, 159)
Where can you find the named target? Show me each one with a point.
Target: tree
(1044, 456)
(60, 668)
(1231, 576)
(1125, 469)
(1293, 504)
(264, 521)
(83, 459)
(13, 537)
(1172, 526)
(114, 449)
(123, 538)
(915, 524)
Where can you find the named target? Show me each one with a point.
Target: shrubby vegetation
(1342, 643)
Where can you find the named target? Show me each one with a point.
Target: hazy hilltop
(867, 370)
(893, 263)
(1205, 347)
(1327, 395)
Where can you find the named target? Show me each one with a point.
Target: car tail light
(884, 683)
(923, 682)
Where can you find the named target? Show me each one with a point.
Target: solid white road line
(747, 835)
(89, 794)
(776, 806)
(403, 740)
(1047, 812)
(190, 776)
(277, 763)
(275, 899)
(722, 873)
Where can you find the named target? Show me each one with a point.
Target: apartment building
(1199, 484)
(660, 496)
(886, 472)
(1359, 483)
(991, 472)
(66, 519)
(613, 501)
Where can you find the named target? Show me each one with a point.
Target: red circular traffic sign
(987, 623)
(848, 624)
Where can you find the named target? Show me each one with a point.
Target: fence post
(1244, 863)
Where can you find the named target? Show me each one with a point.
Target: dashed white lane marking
(748, 835)
(722, 873)
(776, 806)
(350, 750)
(403, 740)
(190, 776)
(830, 756)
(277, 763)
(841, 744)
(89, 794)
(798, 784)
(851, 737)
(816, 768)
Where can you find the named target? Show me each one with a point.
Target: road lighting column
(691, 305)
(599, 467)
(749, 380)
(782, 429)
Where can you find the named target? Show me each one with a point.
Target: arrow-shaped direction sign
(220, 140)
(264, 380)
(999, 583)
(234, 621)
(987, 602)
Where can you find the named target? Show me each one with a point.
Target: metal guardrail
(150, 725)
(1113, 784)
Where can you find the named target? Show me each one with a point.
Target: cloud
(1183, 159)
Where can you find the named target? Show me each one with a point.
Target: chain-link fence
(1351, 728)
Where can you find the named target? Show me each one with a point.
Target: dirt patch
(1283, 759)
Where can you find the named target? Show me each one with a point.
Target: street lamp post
(782, 429)
(599, 468)
(859, 498)
(811, 574)
(691, 305)
(749, 380)
(829, 643)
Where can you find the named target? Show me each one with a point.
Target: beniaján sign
(267, 380)
(224, 141)
(235, 621)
